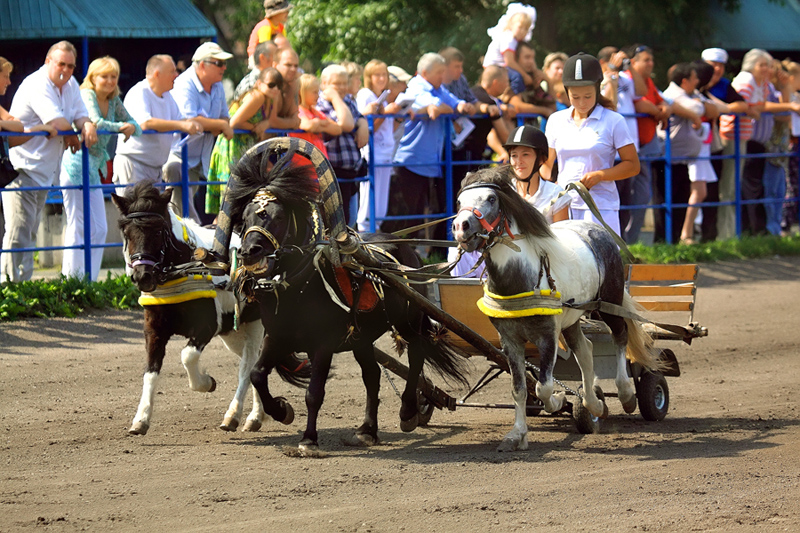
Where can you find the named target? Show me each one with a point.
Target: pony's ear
(122, 203)
(166, 195)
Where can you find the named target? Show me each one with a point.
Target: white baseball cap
(717, 55)
(210, 50)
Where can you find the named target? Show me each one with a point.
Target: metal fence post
(371, 169)
(185, 178)
(87, 215)
(737, 176)
(448, 166)
(668, 185)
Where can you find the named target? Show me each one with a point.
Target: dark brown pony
(157, 245)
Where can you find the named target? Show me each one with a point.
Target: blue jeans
(774, 193)
(641, 189)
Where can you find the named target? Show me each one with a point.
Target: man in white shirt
(150, 103)
(48, 96)
(200, 97)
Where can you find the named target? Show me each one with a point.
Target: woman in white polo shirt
(586, 139)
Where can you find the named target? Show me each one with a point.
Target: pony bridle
(492, 231)
(146, 259)
(262, 199)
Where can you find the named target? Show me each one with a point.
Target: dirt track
(727, 457)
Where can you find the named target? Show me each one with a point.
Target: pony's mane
(293, 185)
(145, 198)
(528, 219)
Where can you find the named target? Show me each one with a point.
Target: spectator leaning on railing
(751, 84)
(728, 101)
(150, 103)
(420, 149)
(100, 94)
(200, 97)
(48, 96)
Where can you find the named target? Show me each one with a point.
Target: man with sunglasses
(48, 96)
(200, 98)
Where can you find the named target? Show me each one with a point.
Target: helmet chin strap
(527, 181)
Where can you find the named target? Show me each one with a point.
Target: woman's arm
(546, 170)
(251, 103)
(561, 214)
(626, 168)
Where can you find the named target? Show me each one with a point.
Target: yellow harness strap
(193, 287)
(536, 302)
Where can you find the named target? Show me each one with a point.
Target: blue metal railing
(447, 162)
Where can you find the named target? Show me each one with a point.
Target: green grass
(66, 297)
(744, 248)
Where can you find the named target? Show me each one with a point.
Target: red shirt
(647, 125)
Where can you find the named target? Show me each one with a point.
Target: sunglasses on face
(68, 66)
(272, 84)
(220, 64)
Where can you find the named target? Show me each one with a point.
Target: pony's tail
(440, 355)
(295, 370)
(640, 343)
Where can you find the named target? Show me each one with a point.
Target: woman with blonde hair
(253, 111)
(100, 93)
(371, 101)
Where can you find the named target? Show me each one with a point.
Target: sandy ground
(726, 457)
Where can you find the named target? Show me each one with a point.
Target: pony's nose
(460, 226)
(251, 252)
(145, 281)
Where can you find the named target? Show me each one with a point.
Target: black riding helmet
(532, 138)
(582, 70)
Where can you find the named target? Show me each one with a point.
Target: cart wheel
(585, 421)
(425, 409)
(653, 395)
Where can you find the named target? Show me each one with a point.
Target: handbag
(7, 171)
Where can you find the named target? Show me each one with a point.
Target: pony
(524, 254)
(285, 269)
(158, 245)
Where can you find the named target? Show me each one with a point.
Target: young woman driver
(527, 150)
(586, 138)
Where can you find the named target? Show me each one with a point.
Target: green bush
(744, 248)
(65, 297)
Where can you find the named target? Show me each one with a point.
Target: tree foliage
(399, 31)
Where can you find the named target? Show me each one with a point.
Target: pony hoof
(410, 424)
(139, 428)
(252, 425)
(605, 411)
(630, 405)
(289, 417)
(510, 445)
(308, 448)
(213, 384)
(229, 424)
(361, 440)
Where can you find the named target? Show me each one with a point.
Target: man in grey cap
(201, 98)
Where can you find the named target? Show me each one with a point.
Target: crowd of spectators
(698, 109)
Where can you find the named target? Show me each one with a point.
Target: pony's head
(146, 231)
(487, 204)
(271, 203)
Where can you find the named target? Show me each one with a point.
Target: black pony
(307, 306)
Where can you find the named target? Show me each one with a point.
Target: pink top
(313, 138)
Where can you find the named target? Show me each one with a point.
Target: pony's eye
(492, 199)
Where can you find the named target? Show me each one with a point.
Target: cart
(657, 288)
